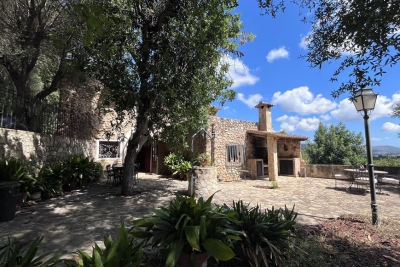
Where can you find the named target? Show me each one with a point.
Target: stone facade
(228, 131)
(39, 149)
(204, 182)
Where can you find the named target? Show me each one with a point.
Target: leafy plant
(12, 170)
(266, 235)
(123, 252)
(275, 185)
(79, 168)
(177, 164)
(13, 255)
(203, 159)
(189, 226)
(52, 176)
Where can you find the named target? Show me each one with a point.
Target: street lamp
(364, 100)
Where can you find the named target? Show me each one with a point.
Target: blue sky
(271, 71)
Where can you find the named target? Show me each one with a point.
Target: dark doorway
(260, 171)
(143, 158)
(286, 167)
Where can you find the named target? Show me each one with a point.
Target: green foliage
(13, 255)
(189, 226)
(163, 64)
(53, 176)
(335, 145)
(81, 167)
(12, 170)
(203, 159)
(177, 163)
(122, 252)
(387, 161)
(275, 185)
(266, 235)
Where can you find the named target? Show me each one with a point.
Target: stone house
(238, 148)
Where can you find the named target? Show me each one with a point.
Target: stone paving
(76, 220)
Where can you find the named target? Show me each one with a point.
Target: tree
(39, 40)
(396, 112)
(363, 35)
(162, 64)
(335, 145)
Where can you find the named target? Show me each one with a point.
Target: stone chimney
(264, 116)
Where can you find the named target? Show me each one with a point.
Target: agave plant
(189, 226)
(266, 234)
(13, 255)
(122, 252)
(12, 170)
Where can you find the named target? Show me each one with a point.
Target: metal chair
(339, 176)
(362, 177)
(110, 175)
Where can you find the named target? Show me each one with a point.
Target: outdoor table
(379, 174)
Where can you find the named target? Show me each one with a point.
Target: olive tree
(162, 63)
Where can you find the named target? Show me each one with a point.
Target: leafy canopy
(362, 35)
(335, 145)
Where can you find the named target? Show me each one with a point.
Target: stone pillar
(204, 182)
(272, 158)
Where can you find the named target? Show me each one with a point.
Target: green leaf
(174, 252)
(218, 250)
(193, 236)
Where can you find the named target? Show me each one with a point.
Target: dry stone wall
(38, 149)
(228, 131)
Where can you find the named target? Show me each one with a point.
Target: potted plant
(183, 169)
(189, 230)
(203, 159)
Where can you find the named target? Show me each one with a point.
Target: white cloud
(346, 111)
(390, 127)
(325, 117)
(304, 42)
(293, 123)
(376, 139)
(238, 72)
(281, 52)
(252, 101)
(302, 101)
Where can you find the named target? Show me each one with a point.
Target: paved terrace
(76, 220)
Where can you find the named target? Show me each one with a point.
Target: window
(108, 149)
(235, 154)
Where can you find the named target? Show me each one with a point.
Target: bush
(13, 255)
(124, 251)
(79, 168)
(267, 235)
(177, 164)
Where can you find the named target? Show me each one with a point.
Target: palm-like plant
(190, 226)
(266, 235)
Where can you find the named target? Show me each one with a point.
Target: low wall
(325, 171)
(38, 149)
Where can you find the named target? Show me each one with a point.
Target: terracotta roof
(278, 135)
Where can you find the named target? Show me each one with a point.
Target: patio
(77, 220)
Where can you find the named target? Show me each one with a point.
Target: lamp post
(364, 100)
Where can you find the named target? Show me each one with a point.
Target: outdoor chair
(362, 178)
(339, 176)
(110, 175)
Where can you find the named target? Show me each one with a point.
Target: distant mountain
(379, 150)
(392, 150)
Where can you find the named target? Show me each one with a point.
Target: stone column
(203, 182)
(272, 158)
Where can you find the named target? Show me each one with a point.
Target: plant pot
(36, 195)
(22, 198)
(200, 260)
(9, 193)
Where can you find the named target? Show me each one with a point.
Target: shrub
(266, 235)
(12, 255)
(189, 226)
(203, 159)
(53, 176)
(124, 252)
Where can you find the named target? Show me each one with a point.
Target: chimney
(264, 116)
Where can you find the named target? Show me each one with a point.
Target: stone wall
(39, 149)
(229, 131)
(325, 171)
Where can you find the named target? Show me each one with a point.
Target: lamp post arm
(371, 176)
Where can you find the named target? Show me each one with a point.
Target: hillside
(385, 150)
(379, 150)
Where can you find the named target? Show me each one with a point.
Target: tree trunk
(135, 144)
